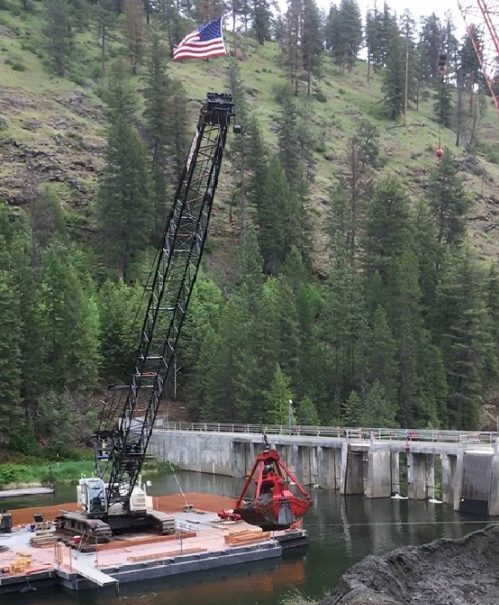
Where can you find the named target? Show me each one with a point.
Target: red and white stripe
(192, 48)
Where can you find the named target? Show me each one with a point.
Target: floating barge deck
(202, 542)
(25, 491)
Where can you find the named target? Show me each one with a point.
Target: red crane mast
(482, 24)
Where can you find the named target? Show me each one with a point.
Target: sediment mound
(444, 572)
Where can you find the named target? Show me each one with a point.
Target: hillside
(53, 130)
(361, 308)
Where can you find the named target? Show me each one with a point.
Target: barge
(201, 541)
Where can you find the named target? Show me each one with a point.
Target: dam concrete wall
(465, 477)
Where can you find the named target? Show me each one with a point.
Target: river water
(342, 530)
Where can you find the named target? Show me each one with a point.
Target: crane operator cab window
(93, 496)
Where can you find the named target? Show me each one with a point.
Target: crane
(482, 25)
(118, 502)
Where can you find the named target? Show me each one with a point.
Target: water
(342, 530)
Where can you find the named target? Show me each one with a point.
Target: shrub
(320, 96)
(25, 443)
(16, 63)
(11, 472)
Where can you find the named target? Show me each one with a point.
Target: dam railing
(349, 433)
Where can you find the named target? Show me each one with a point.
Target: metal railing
(349, 433)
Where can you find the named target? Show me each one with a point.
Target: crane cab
(91, 496)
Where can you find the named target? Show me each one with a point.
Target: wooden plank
(165, 555)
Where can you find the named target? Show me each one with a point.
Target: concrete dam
(463, 472)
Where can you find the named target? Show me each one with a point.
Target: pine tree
(459, 322)
(10, 331)
(290, 334)
(363, 151)
(309, 381)
(448, 200)
(228, 393)
(124, 202)
(490, 327)
(278, 218)
(353, 410)
(206, 10)
(374, 34)
(47, 220)
(350, 28)
(430, 45)
(105, 17)
(295, 153)
(267, 334)
(171, 22)
(240, 146)
(257, 162)
(312, 40)
(237, 367)
(432, 389)
(343, 304)
(198, 334)
(427, 251)
(249, 277)
(81, 12)
(134, 32)
(59, 35)
(332, 31)
(386, 25)
(387, 227)
(451, 46)
(279, 400)
(261, 16)
(382, 364)
(118, 306)
(289, 149)
(292, 50)
(404, 310)
(378, 410)
(157, 113)
(70, 325)
(443, 104)
(306, 413)
(179, 138)
(492, 302)
(343, 315)
(469, 80)
(394, 76)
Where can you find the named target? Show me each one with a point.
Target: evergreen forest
(348, 270)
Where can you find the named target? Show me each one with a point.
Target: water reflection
(342, 531)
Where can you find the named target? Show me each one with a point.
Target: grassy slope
(48, 116)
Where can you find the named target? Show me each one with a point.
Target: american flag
(204, 42)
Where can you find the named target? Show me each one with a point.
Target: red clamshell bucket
(278, 500)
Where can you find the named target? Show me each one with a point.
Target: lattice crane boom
(122, 448)
(482, 25)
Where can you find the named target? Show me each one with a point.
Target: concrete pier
(493, 510)
(468, 472)
(379, 473)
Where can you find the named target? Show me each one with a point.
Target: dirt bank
(444, 572)
(167, 504)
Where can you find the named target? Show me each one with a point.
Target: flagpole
(234, 41)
